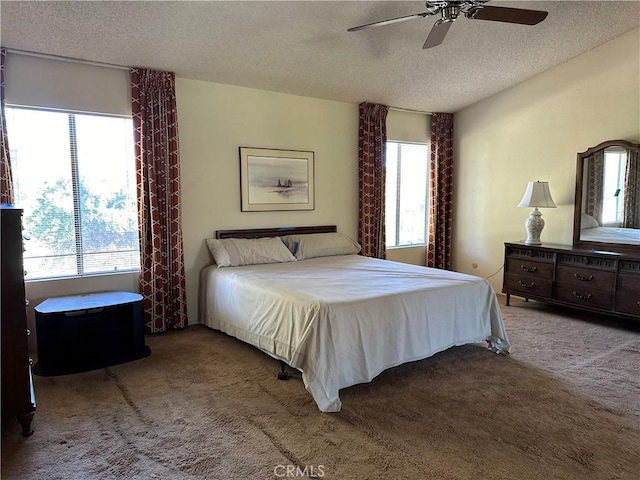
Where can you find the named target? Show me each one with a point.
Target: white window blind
(74, 176)
(34, 81)
(407, 194)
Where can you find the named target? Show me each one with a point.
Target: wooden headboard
(273, 232)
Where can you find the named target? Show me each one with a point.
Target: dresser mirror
(607, 200)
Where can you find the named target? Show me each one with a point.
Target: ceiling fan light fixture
(449, 14)
(450, 10)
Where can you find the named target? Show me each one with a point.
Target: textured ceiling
(303, 47)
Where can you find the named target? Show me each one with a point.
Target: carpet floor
(564, 405)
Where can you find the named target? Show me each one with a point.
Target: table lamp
(537, 196)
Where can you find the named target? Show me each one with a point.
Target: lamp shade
(537, 195)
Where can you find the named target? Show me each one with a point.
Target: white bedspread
(343, 320)
(629, 236)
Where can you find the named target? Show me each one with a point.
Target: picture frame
(276, 180)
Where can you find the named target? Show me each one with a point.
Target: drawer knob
(522, 284)
(529, 269)
(586, 296)
(582, 278)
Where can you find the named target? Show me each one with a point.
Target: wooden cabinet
(627, 299)
(18, 398)
(89, 331)
(585, 281)
(591, 280)
(529, 272)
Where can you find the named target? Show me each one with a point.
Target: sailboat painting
(276, 179)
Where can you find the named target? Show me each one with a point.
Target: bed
(341, 318)
(592, 231)
(627, 236)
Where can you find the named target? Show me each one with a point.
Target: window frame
(398, 190)
(620, 169)
(74, 177)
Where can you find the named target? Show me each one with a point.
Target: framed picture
(276, 180)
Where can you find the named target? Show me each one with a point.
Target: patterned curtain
(440, 191)
(6, 180)
(372, 146)
(631, 217)
(162, 279)
(595, 180)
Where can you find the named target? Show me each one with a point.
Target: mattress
(342, 320)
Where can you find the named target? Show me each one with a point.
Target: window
(615, 162)
(74, 176)
(407, 195)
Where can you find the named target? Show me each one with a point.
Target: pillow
(587, 221)
(234, 252)
(320, 245)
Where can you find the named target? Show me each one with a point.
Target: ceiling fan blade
(437, 34)
(509, 15)
(388, 22)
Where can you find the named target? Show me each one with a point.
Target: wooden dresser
(18, 397)
(592, 280)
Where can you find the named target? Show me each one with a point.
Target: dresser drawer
(628, 283)
(527, 285)
(528, 253)
(630, 267)
(595, 263)
(528, 268)
(585, 277)
(585, 296)
(628, 294)
(628, 302)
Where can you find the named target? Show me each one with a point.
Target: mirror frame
(577, 207)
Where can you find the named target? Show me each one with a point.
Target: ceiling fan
(473, 9)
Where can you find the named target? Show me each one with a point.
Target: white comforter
(629, 236)
(343, 320)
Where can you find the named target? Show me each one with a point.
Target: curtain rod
(65, 59)
(398, 109)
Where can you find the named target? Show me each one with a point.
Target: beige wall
(533, 131)
(215, 120)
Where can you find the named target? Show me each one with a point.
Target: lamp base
(534, 225)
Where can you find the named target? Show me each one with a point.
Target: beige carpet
(564, 405)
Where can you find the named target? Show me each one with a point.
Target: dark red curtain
(440, 192)
(162, 278)
(371, 170)
(595, 181)
(6, 181)
(631, 218)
